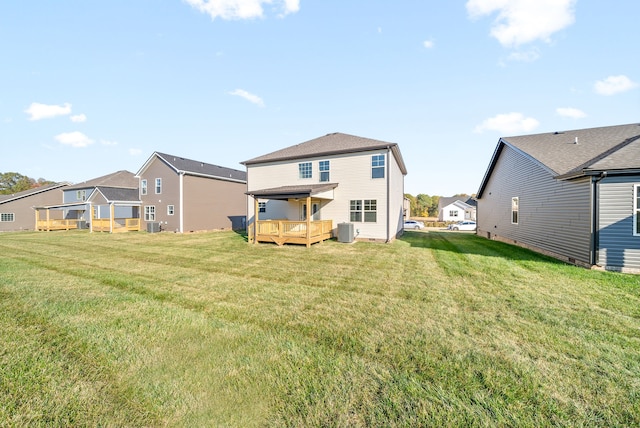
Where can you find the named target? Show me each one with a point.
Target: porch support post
(48, 224)
(255, 219)
(37, 218)
(91, 213)
(308, 221)
(111, 215)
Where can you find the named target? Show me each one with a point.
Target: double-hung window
(377, 166)
(7, 217)
(262, 207)
(150, 213)
(515, 210)
(453, 213)
(171, 209)
(143, 187)
(305, 170)
(158, 186)
(324, 170)
(363, 210)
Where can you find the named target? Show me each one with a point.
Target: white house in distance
(456, 209)
(342, 178)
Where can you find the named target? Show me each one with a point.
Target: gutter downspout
(593, 259)
(388, 163)
(181, 201)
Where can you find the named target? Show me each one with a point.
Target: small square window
(170, 209)
(262, 207)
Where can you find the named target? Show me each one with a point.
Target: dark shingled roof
(194, 167)
(330, 144)
(606, 146)
(295, 191)
(119, 194)
(572, 154)
(117, 179)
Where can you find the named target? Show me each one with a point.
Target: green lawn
(203, 329)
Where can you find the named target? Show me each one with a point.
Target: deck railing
(287, 231)
(57, 224)
(98, 224)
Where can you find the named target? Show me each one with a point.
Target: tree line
(423, 205)
(13, 182)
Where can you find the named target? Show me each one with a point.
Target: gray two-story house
(574, 195)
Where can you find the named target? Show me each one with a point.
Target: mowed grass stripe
(362, 334)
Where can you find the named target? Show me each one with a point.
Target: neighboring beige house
(184, 195)
(17, 211)
(303, 193)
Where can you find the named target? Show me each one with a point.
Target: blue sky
(88, 88)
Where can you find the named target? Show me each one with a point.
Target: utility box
(153, 227)
(345, 232)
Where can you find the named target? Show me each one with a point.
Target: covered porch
(110, 210)
(305, 231)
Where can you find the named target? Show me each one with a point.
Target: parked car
(413, 224)
(463, 225)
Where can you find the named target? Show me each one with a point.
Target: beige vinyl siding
(352, 172)
(24, 217)
(396, 198)
(212, 204)
(617, 246)
(554, 215)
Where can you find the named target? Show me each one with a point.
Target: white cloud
(43, 111)
(429, 44)
(78, 118)
(248, 96)
(108, 143)
(571, 112)
(241, 9)
(74, 139)
(524, 21)
(525, 56)
(614, 85)
(508, 123)
(135, 152)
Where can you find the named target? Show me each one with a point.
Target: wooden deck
(96, 225)
(290, 232)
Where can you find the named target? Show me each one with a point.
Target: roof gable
(193, 167)
(330, 144)
(30, 192)
(113, 194)
(574, 153)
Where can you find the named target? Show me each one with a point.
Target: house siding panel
(554, 215)
(617, 246)
(24, 214)
(169, 195)
(213, 204)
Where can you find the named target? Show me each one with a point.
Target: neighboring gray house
(17, 210)
(456, 208)
(184, 195)
(574, 195)
(83, 202)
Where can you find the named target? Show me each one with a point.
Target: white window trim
(328, 171)
(158, 184)
(13, 217)
(143, 186)
(308, 168)
(382, 167)
(517, 210)
(146, 213)
(171, 209)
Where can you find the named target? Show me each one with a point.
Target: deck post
(308, 221)
(37, 218)
(48, 224)
(255, 220)
(111, 216)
